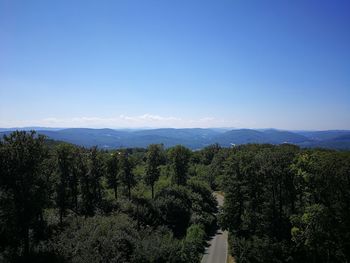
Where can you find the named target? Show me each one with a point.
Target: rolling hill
(244, 136)
(194, 138)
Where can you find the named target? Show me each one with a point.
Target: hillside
(195, 138)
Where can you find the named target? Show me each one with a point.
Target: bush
(174, 205)
(98, 239)
(193, 243)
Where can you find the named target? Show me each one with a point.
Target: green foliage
(203, 204)
(284, 204)
(180, 157)
(208, 153)
(59, 203)
(310, 230)
(259, 249)
(116, 239)
(164, 181)
(174, 203)
(125, 173)
(97, 171)
(24, 189)
(215, 169)
(113, 172)
(67, 181)
(321, 229)
(193, 244)
(98, 239)
(91, 171)
(155, 157)
(158, 246)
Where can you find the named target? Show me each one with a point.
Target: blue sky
(183, 63)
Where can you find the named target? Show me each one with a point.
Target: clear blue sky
(178, 63)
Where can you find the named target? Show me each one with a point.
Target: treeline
(63, 203)
(284, 204)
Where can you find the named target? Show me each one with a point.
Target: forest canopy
(64, 203)
(283, 204)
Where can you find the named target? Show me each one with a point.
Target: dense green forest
(283, 204)
(63, 203)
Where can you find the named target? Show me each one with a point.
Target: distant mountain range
(194, 138)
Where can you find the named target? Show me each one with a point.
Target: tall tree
(113, 172)
(85, 182)
(65, 165)
(125, 172)
(154, 159)
(74, 179)
(23, 187)
(97, 171)
(209, 152)
(180, 157)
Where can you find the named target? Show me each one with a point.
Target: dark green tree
(98, 239)
(154, 159)
(321, 224)
(180, 157)
(23, 188)
(174, 205)
(85, 181)
(113, 172)
(209, 152)
(193, 244)
(66, 188)
(125, 172)
(97, 171)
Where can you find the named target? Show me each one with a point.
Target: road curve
(216, 252)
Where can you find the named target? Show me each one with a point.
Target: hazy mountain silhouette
(193, 138)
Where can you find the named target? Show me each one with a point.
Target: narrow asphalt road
(216, 252)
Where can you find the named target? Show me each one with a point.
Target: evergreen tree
(97, 171)
(125, 172)
(154, 159)
(85, 182)
(65, 183)
(23, 188)
(180, 157)
(113, 172)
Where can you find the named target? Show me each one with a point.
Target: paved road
(217, 250)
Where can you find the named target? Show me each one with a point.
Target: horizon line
(157, 128)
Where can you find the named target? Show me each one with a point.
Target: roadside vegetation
(284, 204)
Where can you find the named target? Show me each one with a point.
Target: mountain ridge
(194, 138)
